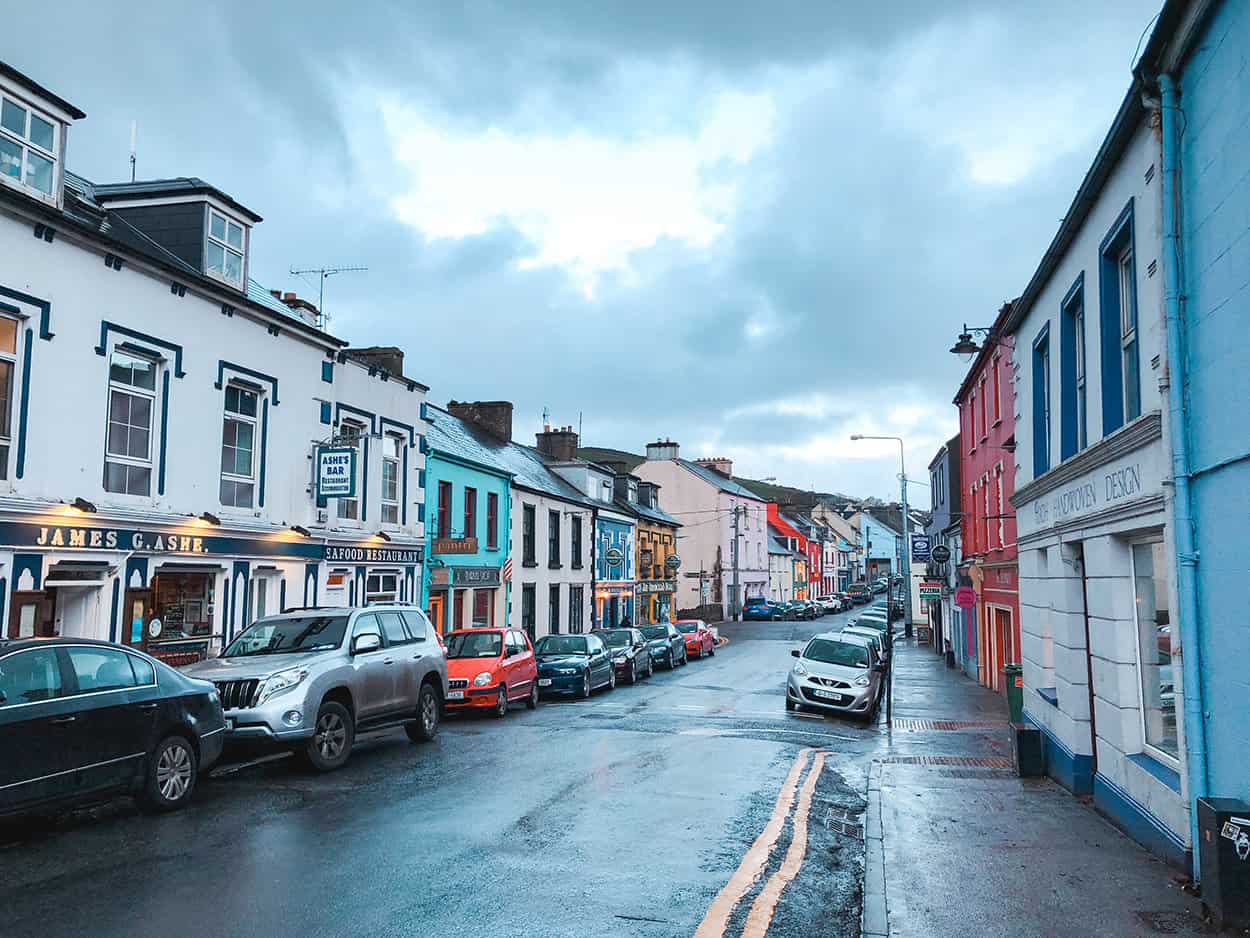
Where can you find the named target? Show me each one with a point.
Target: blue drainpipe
(1186, 555)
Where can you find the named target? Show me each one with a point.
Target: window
(527, 539)
(553, 539)
(1078, 327)
(457, 610)
(393, 628)
(575, 609)
(1154, 648)
(1121, 373)
(483, 608)
(8, 364)
(1002, 523)
(1128, 334)
(259, 590)
(352, 434)
(223, 255)
(998, 403)
(553, 609)
(984, 426)
(470, 512)
(392, 452)
(101, 669)
(492, 520)
(30, 677)
(444, 509)
(28, 147)
(606, 489)
(527, 610)
(972, 421)
(575, 545)
(1041, 402)
(382, 587)
(128, 451)
(238, 448)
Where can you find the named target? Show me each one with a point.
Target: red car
(490, 669)
(699, 638)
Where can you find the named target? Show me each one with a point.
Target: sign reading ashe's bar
(337, 553)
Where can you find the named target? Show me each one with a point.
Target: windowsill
(577, 566)
(1050, 695)
(529, 563)
(985, 438)
(492, 547)
(1160, 770)
(997, 421)
(555, 566)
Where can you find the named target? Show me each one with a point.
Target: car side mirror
(795, 653)
(367, 641)
(638, 646)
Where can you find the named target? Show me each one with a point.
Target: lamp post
(906, 551)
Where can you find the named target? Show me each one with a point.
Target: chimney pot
(560, 444)
(663, 449)
(494, 417)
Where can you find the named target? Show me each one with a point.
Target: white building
(711, 506)
(1102, 676)
(780, 571)
(161, 413)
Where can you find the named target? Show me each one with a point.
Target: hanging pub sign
(613, 557)
(940, 553)
(336, 472)
(920, 547)
(673, 562)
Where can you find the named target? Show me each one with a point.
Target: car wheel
(425, 727)
(585, 685)
(650, 666)
(633, 672)
(531, 702)
(685, 658)
(332, 738)
(501, 703)
(171, 775)
(612, 678)
(789, 704)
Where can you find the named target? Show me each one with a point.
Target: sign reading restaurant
(340, 553)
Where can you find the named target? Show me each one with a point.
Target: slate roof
(776, 547)
(602, 454)
(658, 515)
(713, 477)
(180, 185)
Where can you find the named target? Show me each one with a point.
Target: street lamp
(965, 346)
(906, 552)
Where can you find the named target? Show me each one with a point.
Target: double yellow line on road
(716, 920)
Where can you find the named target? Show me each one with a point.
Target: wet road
(689, 803)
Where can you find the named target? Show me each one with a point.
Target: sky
(752, 228)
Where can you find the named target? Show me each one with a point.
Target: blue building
(1196, 63)
(955, 627)
(468, 523)
(879, 544)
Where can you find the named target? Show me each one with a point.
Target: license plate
(455, 695)
(544, 682)
(827, 694)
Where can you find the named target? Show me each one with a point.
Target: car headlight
(568, 670)
(280, 683)
(861, 681)
(482, 679)
(799, 669)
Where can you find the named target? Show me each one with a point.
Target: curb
(875, 920)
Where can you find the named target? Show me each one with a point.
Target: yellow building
(657, 563)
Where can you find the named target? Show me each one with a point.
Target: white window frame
(226, 247)
(1128, 328)
(1002, 529)
(254, 422)
(392, 458)
(11, 358)
(29, 146)
(361, 469)
(153, 398)
(381, 576)
(1159, 755)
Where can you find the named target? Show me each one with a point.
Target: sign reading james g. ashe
(100, 537)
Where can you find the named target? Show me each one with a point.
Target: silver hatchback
(836, 674)
(311, 679)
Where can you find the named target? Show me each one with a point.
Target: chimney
(495, 417)
(560, 444)
(718, 464)
(386, 357)
(301, 308)
(663, 449)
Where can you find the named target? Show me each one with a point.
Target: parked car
(877, 637)
(630, 654)
(311, 679)
(837, 675)
(573, 664)
(877, 624)
(699, 638)
(757, 609)
(490, 668)
(859, 593)
(878, 586)
(666, 643)
(831, 603)
(805, 609)
(83, 720)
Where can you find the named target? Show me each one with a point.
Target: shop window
(457, 610)
(483, 608)
(238, 447)
(382, 587)
(352, 435)
(8, 365)
(577, 599)
(492, 520)
(132, 402)
(392, 448)
(28, 148)
(553, 539)
(183, 606)
(1155, 638)
(470, 512)
(553, 609)
(444, 509)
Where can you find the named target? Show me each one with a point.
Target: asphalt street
(691, 803)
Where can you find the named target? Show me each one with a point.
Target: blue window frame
(1041, 402)
(1073, 436)
(1119, 359)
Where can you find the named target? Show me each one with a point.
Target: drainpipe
(1186, 554)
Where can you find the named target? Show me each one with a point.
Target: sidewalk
(958, 845)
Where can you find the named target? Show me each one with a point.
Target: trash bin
(1014, 682)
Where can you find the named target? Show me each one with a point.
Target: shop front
(614, 602)
(466, 596)
(655, 600)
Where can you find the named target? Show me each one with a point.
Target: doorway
(31, 614)
(438, 605)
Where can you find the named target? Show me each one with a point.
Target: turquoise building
(467, 523)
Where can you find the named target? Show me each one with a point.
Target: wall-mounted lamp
(382, 535)
(300, 529)
(210, 518)
(83, 505)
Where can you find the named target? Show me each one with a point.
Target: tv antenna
(322, 274)
(134, 133)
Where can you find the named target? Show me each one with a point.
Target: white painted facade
(780, 575)
(72, 571)
(573, 574)
(1094, 527)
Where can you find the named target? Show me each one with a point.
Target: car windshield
(474, 645)
(756, 601)
(617, 638)
(295, 634)
(828, 651)
(561, 645)
(655, 631)
(688, 627)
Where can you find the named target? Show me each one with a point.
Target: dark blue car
(573, 664)
(759, 609)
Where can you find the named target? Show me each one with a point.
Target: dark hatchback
(759, 609)
(667, 644)
(83, 720)
(630, 653)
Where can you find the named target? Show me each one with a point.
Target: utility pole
(733, 604)
(906, 564)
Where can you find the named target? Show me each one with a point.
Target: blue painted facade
(614, 583)
(879, 543)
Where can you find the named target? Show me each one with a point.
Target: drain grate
(984, 762)
(921, 726)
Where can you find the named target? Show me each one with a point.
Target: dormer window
(223, 255)
(28, 147)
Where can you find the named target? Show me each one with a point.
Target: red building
(988, 520)
(791, 531)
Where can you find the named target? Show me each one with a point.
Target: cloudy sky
(754, 228)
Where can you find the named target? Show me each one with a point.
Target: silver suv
(310, 679)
